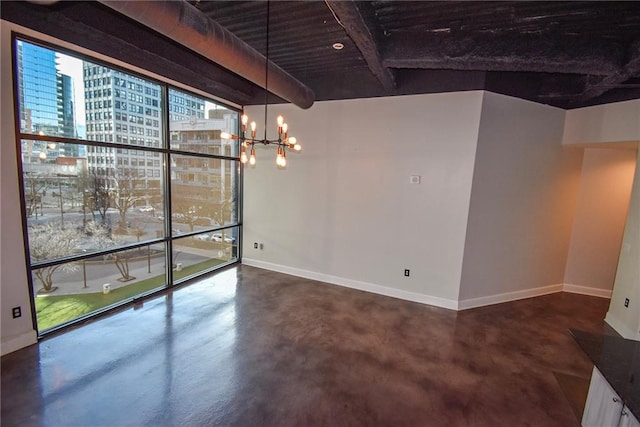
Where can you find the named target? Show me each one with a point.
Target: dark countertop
(618, 360)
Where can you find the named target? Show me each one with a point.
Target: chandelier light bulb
(225, 135)
(282, 142)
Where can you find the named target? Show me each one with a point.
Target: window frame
(164, 151)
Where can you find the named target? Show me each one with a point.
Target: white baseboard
(508, 296)
(18, 342)
(427, 299)
(355, 284)
(586, 290)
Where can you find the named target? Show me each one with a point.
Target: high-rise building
(125, 109)
(38, 89)
(66, 111)
(45, 98)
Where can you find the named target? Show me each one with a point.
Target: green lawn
(53, 310)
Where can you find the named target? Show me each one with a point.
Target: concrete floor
(250, 347)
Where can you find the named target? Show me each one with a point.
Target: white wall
(522, 203)
(16, 333)
(626, 320)
(616, 125)
(609, 123)
(344, 210)
(603, 201)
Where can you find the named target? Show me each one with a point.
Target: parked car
(217, 237)
(202, 237)
(146, 208)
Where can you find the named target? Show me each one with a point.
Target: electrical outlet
(407, 272)
(17, 312)
(255, 245)
(626, 302)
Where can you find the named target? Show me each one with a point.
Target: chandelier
(283, 141)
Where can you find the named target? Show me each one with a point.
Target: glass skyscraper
(45, 98)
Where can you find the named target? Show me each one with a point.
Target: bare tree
(223, 213)
(52, 241)
(34, 186)
(100, 190)
(121, 261)
(102, 239)
(126, 193)
(186, 212)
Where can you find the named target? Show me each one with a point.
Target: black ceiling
(566, 53)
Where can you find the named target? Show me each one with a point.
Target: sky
(73, 67)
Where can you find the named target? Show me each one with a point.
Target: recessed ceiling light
(338, 46)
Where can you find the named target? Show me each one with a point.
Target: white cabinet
(604, 407)
(627, 419)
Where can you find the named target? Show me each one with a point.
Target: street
(90, 275)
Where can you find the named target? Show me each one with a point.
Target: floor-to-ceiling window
(127, 186)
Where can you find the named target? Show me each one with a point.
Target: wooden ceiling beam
(97, 28)
(522, 53)
(616, 80)
(354, 23)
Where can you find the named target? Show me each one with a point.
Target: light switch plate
(414, 179)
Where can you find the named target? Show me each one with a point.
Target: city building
(125, 109)
(46, 102)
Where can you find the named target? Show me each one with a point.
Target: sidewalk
(99, 273)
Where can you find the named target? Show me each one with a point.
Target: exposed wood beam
(94, 27)
(629, 70)
(571, 55)
(355, 25)
(185, 24)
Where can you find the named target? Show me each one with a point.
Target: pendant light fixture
(283, 141)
